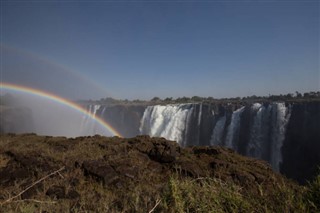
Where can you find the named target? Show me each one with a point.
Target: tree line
(196, 99)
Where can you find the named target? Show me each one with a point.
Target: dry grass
(155, 187)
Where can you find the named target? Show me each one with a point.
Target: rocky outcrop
(99, 171)
(126, 159)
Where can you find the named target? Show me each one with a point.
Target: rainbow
(59, 100)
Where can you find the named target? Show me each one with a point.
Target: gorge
(285, 134)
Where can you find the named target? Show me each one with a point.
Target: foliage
(313, 194)
(297, 96)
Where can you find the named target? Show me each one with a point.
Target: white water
(265, 136)
(216, 137)
(280, 117)
(89, 124)
(233, 129)
(189, 117)
(168, 121)
(255, 146)
(200, 114)
(267, 133)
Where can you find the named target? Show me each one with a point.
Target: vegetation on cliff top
(290, 97)
(8, 99)
(142, 174)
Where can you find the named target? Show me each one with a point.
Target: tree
(155, 99)
(210, 98)
(182, 100)
(298, 95)
(289, 96)
(196, 99)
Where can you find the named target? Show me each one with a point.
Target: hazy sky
(142, 49)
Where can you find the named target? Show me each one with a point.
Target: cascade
(259, 141)
(103, 110)
(200, 114)
(216, 137)
(256, 130)
(233, 129)
(88, 125)
(187, 130)
(182, 123)
(168, 121)
(255, 145)
(280, 117)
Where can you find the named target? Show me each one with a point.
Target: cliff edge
(140, 174)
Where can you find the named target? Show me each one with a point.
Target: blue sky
(142, 49)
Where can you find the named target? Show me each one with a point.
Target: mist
(28, 113)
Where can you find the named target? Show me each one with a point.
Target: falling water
(280, 117)
(88, 124)
(233, 129)
(255, 145)
(168, 121)
(216, 137)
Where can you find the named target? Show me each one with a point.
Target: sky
(142, 49)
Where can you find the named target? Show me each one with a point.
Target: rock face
(124, 118)
(301, 149)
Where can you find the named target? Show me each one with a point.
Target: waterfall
(103, 110)
(88, 124)
(267, 132)
(95, 109)
(200, 114)
(188, 121)
(168, 121)
(280, 117)
(233, 129)
(261, 137)
(216, 137)
(255, 145)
